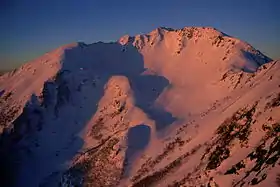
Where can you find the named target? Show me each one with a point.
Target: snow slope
(172, 107)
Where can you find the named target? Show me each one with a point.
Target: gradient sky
(29, 28)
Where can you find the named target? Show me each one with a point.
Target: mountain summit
(174, 107)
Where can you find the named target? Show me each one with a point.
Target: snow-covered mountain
(186, 107)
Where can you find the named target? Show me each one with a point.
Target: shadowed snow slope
(174, 107)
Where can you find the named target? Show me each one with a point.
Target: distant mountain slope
(2, 72)
(186, 107)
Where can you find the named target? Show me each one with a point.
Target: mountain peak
(139, 111)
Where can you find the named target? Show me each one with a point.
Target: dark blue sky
(29, 28)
